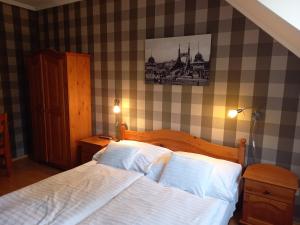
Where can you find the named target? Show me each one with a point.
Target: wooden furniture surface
(180, 141)
(60, 102)
(89, 146)
(5, 153)
(269, 195)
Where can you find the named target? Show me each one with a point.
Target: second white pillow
(187, 174)
(224, 181)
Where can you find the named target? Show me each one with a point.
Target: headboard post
(242, 147)
(123, 127)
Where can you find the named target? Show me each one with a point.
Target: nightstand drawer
(86, 157)
(269, 191)
(259, 210)
(90, 148)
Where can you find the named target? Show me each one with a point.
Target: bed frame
(180, 141)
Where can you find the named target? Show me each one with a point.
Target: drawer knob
(267, 192)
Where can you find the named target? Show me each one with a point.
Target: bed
(98, 193)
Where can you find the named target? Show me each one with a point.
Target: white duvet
(146, 202)
(66, 198)
(99, 194)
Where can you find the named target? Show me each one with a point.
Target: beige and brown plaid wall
(248, 69)
(17, 40)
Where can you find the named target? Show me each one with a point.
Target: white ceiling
(287, 9)
(38, 4)
(272, 17)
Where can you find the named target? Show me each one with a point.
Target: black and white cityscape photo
(178, 60)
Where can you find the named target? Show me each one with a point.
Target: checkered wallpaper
(248, 69)
(16, 41)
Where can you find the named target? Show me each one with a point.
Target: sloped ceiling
(287, 10)
(38, 4)
(274, 24)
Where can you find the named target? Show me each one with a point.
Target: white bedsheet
(148, 203)
(66, 198)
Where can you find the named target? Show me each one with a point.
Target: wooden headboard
(180, 141)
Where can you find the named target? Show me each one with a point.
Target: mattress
(66, 198)
(146, 202)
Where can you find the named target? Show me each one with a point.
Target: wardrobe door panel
(79, 101)
(56, 104)
(37, 108)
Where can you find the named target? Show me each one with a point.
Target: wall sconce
(117, 106)
(234, 112)
(255, 116)
(116, 111)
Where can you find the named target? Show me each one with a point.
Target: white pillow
(148, 154)
(119, 155)
(98, 154)
(224, 178)
(191, 175)
(157, 167)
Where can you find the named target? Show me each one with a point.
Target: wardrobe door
(37, 108)
(55, 105)
(79, 101)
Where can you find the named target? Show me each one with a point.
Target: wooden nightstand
(89, 146)
(269, 195)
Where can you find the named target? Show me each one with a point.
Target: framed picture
(178, 60)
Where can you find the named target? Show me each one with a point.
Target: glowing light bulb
(232, 113)
(117, 109)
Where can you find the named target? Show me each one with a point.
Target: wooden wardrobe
(60, 104)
